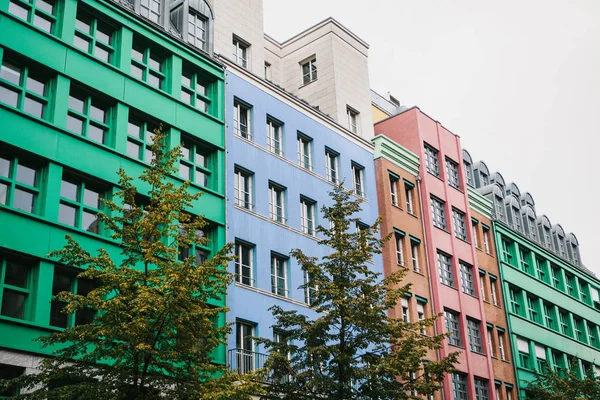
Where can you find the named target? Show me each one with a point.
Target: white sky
(517, 80)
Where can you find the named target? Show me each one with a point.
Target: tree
(564, 384)
(352, 349)
(155, 305)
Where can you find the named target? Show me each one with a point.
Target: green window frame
(507, 251)
(80, 204)
(556, 277)
(200, 252)
(23, 87)
(542, 269)
(94, 36)
(526, 261)
(16, 287)
(550, 316)
(196, 90)
(593, 335)
(515, 300)
(524, 360)
(8, 372)
(565, 323)
(558, 360)
(140, 135)
(66, 280)
(533, 309)
(20, 184)
(148, 65)
(571, 285)
(88, 116)
(195, 163)
(584, 290)
(580, 333)
(39, 13)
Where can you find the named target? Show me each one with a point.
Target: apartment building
(551, 298)
(82, 86)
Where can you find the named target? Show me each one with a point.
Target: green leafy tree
(156, 304)
(352, 348)
(565, 384)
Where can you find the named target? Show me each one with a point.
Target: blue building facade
(282, 161)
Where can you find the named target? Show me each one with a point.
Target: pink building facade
(450, 250)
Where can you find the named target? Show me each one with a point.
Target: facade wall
(50, 145)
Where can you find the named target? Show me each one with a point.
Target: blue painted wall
(251, 304)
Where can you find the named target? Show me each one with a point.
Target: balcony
(245, 361)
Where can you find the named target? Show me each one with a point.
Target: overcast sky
(518, 81)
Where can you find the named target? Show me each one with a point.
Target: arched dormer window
(498, 179)
(498, 203)
(468, 167)
(151, 9)
(559, 240)
(482, 174)
(192, 21)
(573, 249)
(527, 200)
(545, 232)
(514, 211)
(529, 218)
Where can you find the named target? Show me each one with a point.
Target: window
(453, 328)
(556, 277)
(516, 218)
(399, 238)
(307, 216)
(394, 189)
(469, 173)
(486, 240)
(482, 285)
(585, 292)
(23, 87)
(310, 289)
(405, 310)
(147, 65)
(244, 263)
(279, 275)
(490, 341)
(140, 136)
(459, 386)
(532, 228)
(438, 213)
(277, 203)
(481, 389)
(475, 234)
(540, 266)
(19, 183)
(523, 347)
(525, 261)
(558, 359)
(88, 116)
(151, 9)
(309, 71)
(421, 315)
(452, 172)
(240, 52)
(80, 203)
(445, 267)
(501, 347)
(40, 13)
(268, 75)
(499, 207)
(94, 36)
(474, 330)
(241, 120)
(8, 372)
(515, 300)
(331, 165)
(571, 285)
(466, 278)
(195, 90)
(550, 316)
(197, 30)
(408, 192)
(414, 251)
(540, 354)
(195, 161)
(66, 281)
(579, 330)
(509, 394)
(243, 189)
(352, 119)
(432, 162)
(244, 343)
(494, 291)
(458, 224)
(485, 180)
(358, 179)
(16, 281)
(274, 136)
(507, 251)
(565, 323)
(304, 152)
(199, 251)
(593, 332)
(533, 309)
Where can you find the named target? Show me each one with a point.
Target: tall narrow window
(409, 193)
(399, 237)
(268, 72)
(453, 328)
(445, 269)
(241, 120)
(452, 173)
(309, 71)
(481, 389)
(88, 116)
(490, 341)
(140, 136)
(197, 30)
(486, 240)
(240, 52)
(331, 166)
(507, 251)
(459, 224)
(523, 348)
(468, 173)
(556, 277)
(494, 290)
(352, 119)
(16, 280)
(151, 9)
(9, 372)
(94, 36)
(80, 203)
(438, 213)
(541, 268)
(474, 330)
(66, 281)
(19, 184)
(394, 188)
(501, 346)
(516, 217)
(305, 152)
(244, 343)
(279, 275)
(23, 87)
(565, 323)
(482, 285)
(307, 216)
(274, 136)
(526, 261)
(277, 203)
(199, 252)
(432, 161)
(147, 64)
(195, 161)
(39, 13)
(358, 179)
(310, 289)
(466, 278)
(405, 310)
(515, 300)
(475, 233)
(414, 251)
(533, 309)
(244, 273)
(459, 386)
(421, 315)
(195, 90)
(550, 316)
(243, 189)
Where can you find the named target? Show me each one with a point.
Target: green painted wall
(53, 148)
(534, 303)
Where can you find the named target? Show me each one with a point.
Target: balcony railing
(244, 361)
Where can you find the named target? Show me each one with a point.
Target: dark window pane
(17, 274)
(17, 10)
(3, 193)
(13, 304)
(42, 22)
(200, 158)
(23, 200)
(103, 33)
(8, 96)
(84, 286)
(4, 167)
(33, 107)
(68, 190)
(85, 316)
(36, 85)
(137, 53)
(82, 43)
(9, 372)
(26, 175)
(66, 214)
(186, 79)
(133, 149)
(89, 222)
(155, 62)
(83, 23)
(62, 282)
(74, 124)
(57, 318)
(96, 133)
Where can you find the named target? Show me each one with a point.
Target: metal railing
(244, 361)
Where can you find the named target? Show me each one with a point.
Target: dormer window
(197, 30)
(150, 9)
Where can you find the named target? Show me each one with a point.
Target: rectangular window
(307, 216)
(151, 9)
(305, 152)
(515, 299)
(197, 30)
(80, 203)
(481, 389)
(240, 52)
(474, 330)
(438, 213)
(23, 87)
(196, 161)
(421, 315)
(490, 341)
(533, 309)
(550, 316)
(39, 13)
(94, 36)
(486, 240)
(405, 310)
(475, 234)
(244, 343)
(66, 280)
(452, 172)
(358, 172)
(199, 252)
(147, 64)
(558, 359)
(414, 251)
(494, 291)
(8, 372)
(453, 328)
(331, 165)
(540, 266)
(309, 71)
(409, 192)
(399, 238)
(468, 173)
(571, 285)
(16, 281)
(279, 275)
(459, 224)
(393, 189)
(507, 251)
(466, 278)
(526, 261)
(140, 136)
(556, 277)
(20, 183)
(501, 346)
(195, 90)
(241, 120)
(593, 335)
(268, 74)
(432, 161)
(565, 323)
(243, 189)
(585, 292)
(277, 203)
(540, 354)
(274, 136)
(310, 289)
(579, 330)
(524, 357)
(244, 263)
(445, 269)
(88, 116)
(352, 119)
(459, 386)
(482, 292)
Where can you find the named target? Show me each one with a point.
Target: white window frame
(438, 213)
(353, 119)
(311, 74)
(275, 136)
(241, 52)
(482, 287)
(459, 224)
(405, 310)
(240, 266)
(501, 347)
(453, 174)
(446, 270)
(308, 289)
(474, 234)
(278, 262)
(421, 316)
(394, 189)
(153, 15)
(414, 250)
(193, 19)
(331, 166)
(432, 160)
(307, 214)
(399, 239)
(277, 203)
(243, 189)
(474, 333)
(467, 280)
(486, 240)
(305, 152)
(490, 341)
(493, 291)
(358, 179)
(409, 191)
(239, 110)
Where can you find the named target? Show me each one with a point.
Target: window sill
(463, 240)
(451, 287)
(458, 189)
(457, 346)
(412, 215)
(434, 175)
(397, 206)
(307, 83)
(31, 324)
(265, 218)
(442, 229)
(270, 294)
(418, 273)
(478, 353)
(470, 295)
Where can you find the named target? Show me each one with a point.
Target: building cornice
(392, 151)
(479, 203)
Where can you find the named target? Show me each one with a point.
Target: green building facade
(82, 86)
